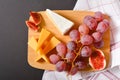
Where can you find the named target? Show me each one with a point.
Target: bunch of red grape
(92, 30)
(68, 57)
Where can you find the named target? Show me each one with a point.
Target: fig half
(97, 60)
(36, 17)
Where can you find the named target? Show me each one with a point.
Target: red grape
(61, 48)
(99, 16)
(83, 29)
(54, 58)
(81, 65)
(74, 35)
(106, 22)
(86, 18)
(97, 36)
(99, 44)
(73, 70)
(102, 26)
(60, 66)
(71, 45)
(70, 56)
(86, 40)
(86, 51)
(90, 22)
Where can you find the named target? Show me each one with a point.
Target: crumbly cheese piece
(63, 24)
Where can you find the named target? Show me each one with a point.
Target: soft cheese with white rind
(63, 24)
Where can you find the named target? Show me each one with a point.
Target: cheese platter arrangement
(67, 40)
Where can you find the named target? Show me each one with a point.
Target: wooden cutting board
(77, 18)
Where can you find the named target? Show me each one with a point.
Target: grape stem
(77, 54)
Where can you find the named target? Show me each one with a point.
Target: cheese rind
(62, 23)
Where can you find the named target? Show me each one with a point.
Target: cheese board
(77, 18)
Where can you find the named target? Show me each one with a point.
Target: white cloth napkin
(111, 8)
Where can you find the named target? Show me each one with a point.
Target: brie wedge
(63, 24)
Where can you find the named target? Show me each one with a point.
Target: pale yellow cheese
(33, 43)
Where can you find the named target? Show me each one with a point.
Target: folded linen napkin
(111, 8)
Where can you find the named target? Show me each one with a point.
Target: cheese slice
(52, 44)
(42, 55)
(32, 43)
(44, 36)
(63, 24)
(45, 39)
